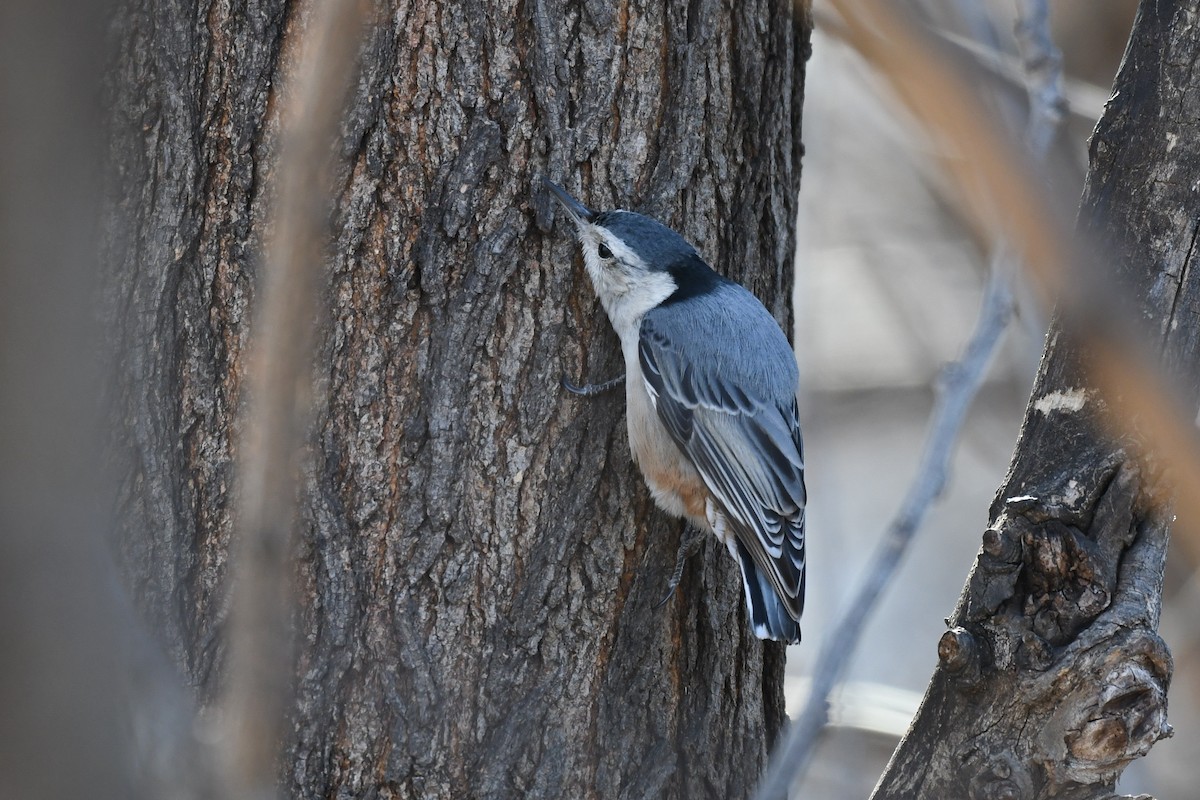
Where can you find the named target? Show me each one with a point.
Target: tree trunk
(1052, 677)
(479, 561)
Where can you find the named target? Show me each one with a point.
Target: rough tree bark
(1052, 677)
(479, 562)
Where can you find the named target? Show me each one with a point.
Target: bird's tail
(768, 615)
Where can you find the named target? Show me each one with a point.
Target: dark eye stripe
(604, 252)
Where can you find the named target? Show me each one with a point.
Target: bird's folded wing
(746, 446)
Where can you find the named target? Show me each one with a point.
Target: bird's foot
(689, 543)
(592, 389)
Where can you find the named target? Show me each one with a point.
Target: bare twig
(1083, 100)
(280, 380)
(959, 384)
(1043, 70)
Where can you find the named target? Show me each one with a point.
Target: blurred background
(889, 284)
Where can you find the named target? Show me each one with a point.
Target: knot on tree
(961, 655)
(1079, 723)
(1000, 777)
(1063, 585)
(1092, 737)
(1049, 565)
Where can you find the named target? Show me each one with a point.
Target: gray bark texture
(1052, 677)
(479, 561)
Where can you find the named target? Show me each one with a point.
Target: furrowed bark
(1052, 677)
(478, 559)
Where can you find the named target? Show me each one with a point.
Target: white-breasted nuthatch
(710, 389)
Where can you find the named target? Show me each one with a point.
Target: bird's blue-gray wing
(739, 426)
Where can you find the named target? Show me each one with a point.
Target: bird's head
(635, 263)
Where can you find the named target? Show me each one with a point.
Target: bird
(711, 389)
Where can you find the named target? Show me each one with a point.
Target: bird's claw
(592, 389)
(689, 543)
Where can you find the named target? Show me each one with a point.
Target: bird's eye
(604, 252)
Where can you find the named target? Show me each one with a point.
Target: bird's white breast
(675, 485)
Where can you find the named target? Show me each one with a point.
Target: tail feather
(768, 615)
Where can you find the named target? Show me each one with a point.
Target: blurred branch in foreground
(92, 707)
(1002, 194)
(278, 420)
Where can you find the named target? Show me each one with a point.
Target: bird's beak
(578, 211)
